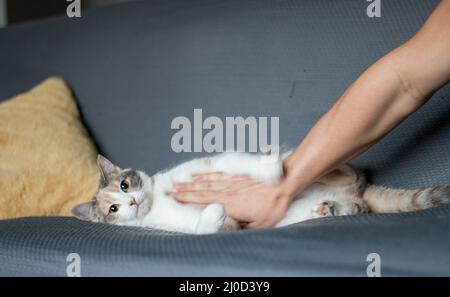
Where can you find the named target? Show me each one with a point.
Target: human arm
(383, 96)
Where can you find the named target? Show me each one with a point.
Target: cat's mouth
(138, 204)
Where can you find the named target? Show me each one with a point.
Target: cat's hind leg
(358, 208)
(211, 219)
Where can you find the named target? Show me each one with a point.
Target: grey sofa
(134, 67)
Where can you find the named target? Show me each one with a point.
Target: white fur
(163, 212)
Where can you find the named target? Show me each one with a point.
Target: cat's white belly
(171, 215)
(168, 214)
(178, 219)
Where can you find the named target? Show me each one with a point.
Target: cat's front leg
(211, 219)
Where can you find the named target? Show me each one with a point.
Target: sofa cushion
(408, 244)
(47, 158)
(136, 66)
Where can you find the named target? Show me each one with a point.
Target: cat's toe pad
(324, 209)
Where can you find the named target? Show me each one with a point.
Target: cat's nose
(133, 202)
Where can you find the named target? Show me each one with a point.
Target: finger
(253, 225)
(260, 224)
(211, 176)
(218, 177)
(241, 178)
(214, 186)
(198, 186)
(196, 197)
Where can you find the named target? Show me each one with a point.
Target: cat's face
(123, 195)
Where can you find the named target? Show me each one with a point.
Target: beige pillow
(47, 159)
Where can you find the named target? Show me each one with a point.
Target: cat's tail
(381, 199)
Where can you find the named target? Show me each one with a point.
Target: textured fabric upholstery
(136, 66)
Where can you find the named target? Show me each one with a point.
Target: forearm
(370, 108)
(374, 104)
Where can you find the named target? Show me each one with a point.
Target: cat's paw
(324, 209)
(211, 219)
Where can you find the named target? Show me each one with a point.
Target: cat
(131, 197)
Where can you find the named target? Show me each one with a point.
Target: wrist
(292, 183)
(287, 190)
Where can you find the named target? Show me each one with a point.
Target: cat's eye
(113, 208)
(124, 185)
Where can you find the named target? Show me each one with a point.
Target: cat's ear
(85, 211)
(107, 169)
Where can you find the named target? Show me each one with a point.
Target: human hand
(244, 199)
